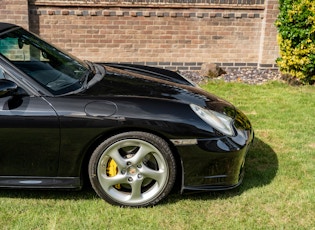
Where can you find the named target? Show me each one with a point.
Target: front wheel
(134, 169)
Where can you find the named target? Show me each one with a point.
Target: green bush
(296, 37)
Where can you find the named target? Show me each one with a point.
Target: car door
(29, 136)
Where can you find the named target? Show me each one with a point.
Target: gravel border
(251, 76)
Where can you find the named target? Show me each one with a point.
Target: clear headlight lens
(218, 121)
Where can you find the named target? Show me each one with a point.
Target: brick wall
(269, 48)
(172, 37)
(14, 11)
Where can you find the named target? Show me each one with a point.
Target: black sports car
(134, 130)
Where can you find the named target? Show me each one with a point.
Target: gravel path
(249, 76)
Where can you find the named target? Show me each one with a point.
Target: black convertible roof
(5, 26)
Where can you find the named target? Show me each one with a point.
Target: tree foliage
(296, 37)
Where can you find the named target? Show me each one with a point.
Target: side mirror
(7, 88)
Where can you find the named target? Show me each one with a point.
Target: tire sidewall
(154, 140)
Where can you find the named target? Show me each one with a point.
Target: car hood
(154, 83)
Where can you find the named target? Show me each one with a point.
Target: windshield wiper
(100, 72)
(95, 74)
(89, 74)
(90, 65)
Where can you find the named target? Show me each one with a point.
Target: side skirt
(40, 182)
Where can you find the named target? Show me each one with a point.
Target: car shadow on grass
(261, 168)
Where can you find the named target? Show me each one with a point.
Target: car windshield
(57, 71)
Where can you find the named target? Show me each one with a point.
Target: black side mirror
(7, 88)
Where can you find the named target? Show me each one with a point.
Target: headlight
(217, 120)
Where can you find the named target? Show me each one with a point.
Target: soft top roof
(5, 26)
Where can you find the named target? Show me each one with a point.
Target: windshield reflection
(57, 71)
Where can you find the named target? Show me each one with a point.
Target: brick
(146, 14)
(168, 37)
(106, 13)
(133, 14)
(199, 15)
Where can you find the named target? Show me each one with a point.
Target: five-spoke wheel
(132, 169)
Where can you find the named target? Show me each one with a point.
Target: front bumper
(214, 163)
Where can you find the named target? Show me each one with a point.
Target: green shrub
(296, 37)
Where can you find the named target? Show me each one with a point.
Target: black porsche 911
(134, 130)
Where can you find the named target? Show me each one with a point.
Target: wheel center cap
(132, 170)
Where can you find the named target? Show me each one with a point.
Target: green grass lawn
(278, 191)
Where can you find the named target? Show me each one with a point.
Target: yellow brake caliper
(112, 170)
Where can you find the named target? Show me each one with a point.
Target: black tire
(134, 169)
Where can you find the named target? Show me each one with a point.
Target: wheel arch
(97, 141)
